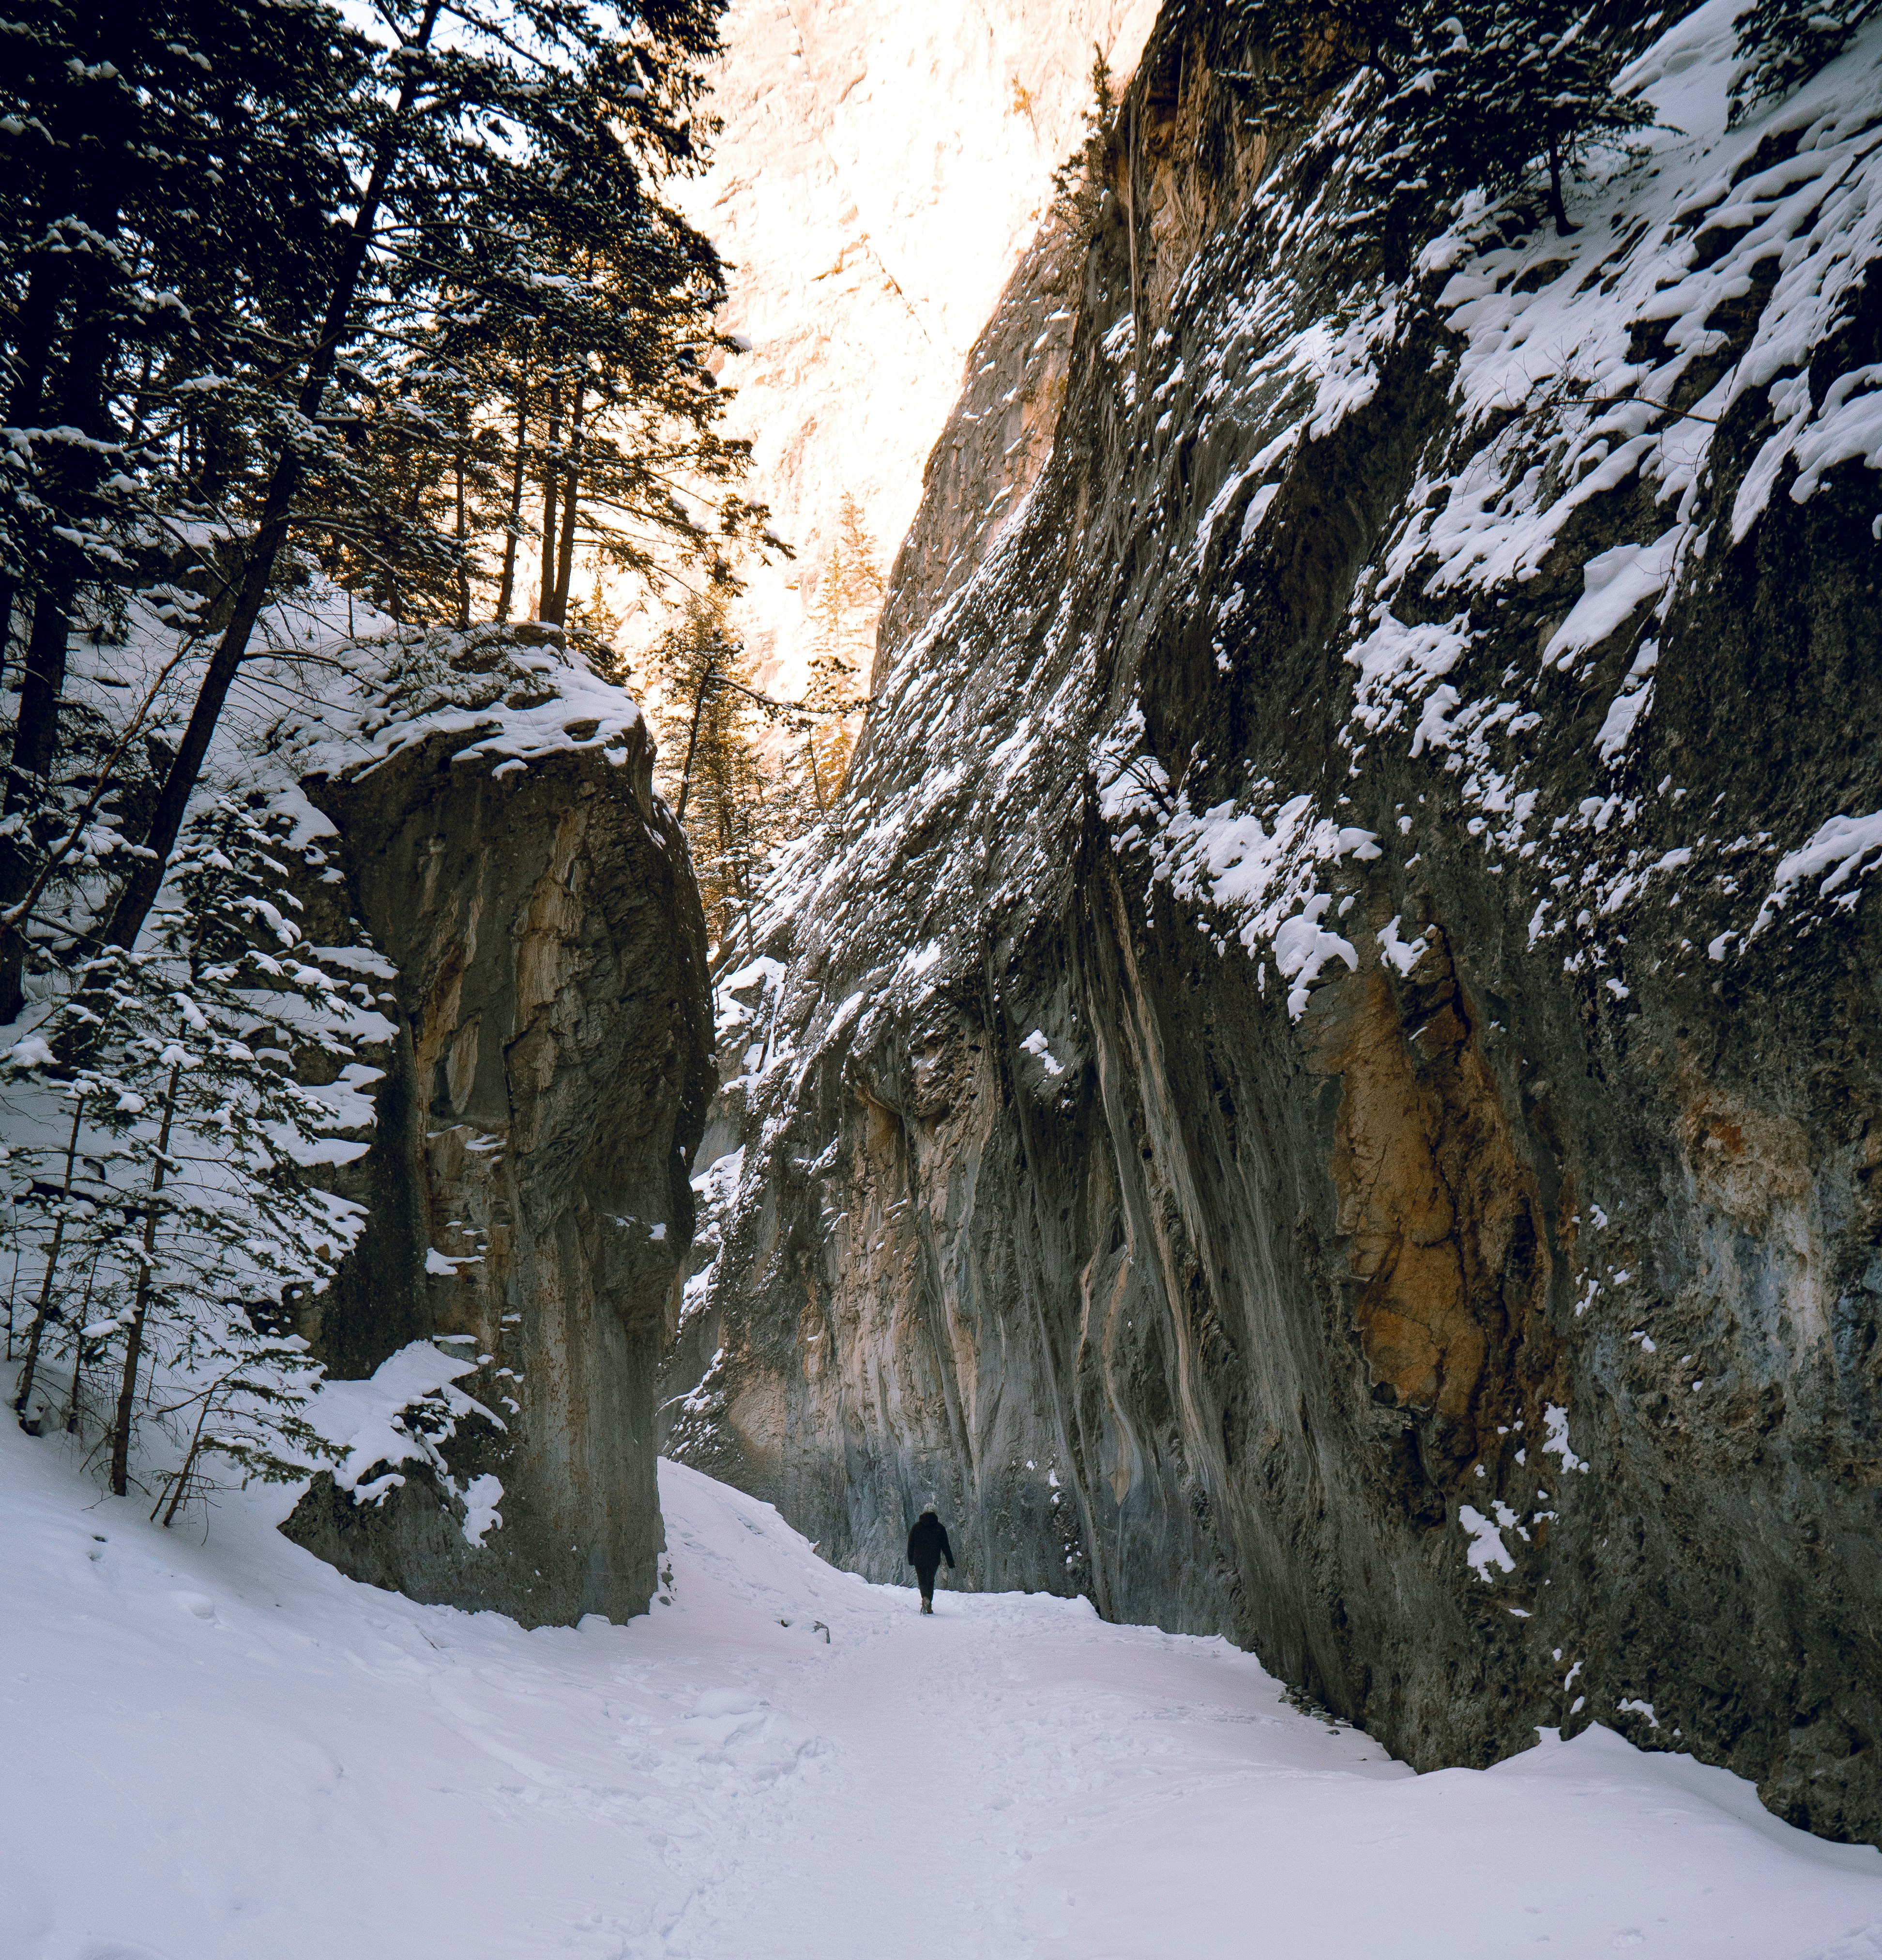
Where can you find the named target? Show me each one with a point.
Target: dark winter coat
(928, 1544)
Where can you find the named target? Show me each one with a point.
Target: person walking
(927, 1546)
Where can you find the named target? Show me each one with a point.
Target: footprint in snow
(725, 1701)
(724, 1715)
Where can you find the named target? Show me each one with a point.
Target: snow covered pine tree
(171, 1226)
(1783, 43)
(279, 279)
(1475, 96)
(1496, 89)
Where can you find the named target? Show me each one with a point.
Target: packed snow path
(224, 1750)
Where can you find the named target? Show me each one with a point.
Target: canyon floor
(218, 1749)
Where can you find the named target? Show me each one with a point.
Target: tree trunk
(35, 326)
(43, 1309)
(9, 598)
(134, 1339)
(33, 341)
(35, 735)
(565, 557)
(552, 480)
(506, 591)
(78, 1348)
(727, 868)
(189, 1466)
(37, 319)
(270, 533)
(461, 534)
(1557, 209)
(74, 477)
(692, 738)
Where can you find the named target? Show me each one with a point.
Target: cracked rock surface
(528, 1172)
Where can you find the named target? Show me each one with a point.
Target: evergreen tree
(280, 285)
(1310, 50)
(731, 802)
(1783, 43)
(162, 211)
(1497, 90)
(848, 601)
(177, 1226)
(1078, 183)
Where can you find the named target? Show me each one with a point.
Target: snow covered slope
(224, 1751)
(881, 168)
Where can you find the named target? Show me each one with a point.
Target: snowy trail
(227, 1752)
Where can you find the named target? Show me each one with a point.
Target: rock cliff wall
(1325, 1083)
(880, 170)
(542, 950)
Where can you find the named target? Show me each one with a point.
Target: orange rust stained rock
(1438, 1206)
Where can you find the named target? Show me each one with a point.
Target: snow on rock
(1401, 955)
(1495, 607)
(717, 1188)
(235, 1751)
(1555, 1438)
(1036, 1046)
(370, 1420)
(1842, 853)
(482, 1496)
(1487, 1548)
(1615, 584)
(508, 696)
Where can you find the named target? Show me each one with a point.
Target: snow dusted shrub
(1783, 42)
(167, 1221)
(1496, 91)
(1311, 51)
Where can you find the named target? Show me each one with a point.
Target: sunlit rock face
(1321, 1082)
(881, 169)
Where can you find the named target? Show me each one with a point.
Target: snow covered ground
(223, 1750)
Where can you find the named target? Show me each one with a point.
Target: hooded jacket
(928, 1544)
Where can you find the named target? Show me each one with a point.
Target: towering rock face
(1324, 1085)
(880, 172)
(546, 1084)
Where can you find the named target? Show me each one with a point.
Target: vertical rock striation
(528, 1169)
(1325, 1083)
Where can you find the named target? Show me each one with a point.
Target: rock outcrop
(545, 1086)
(1324, 1084)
